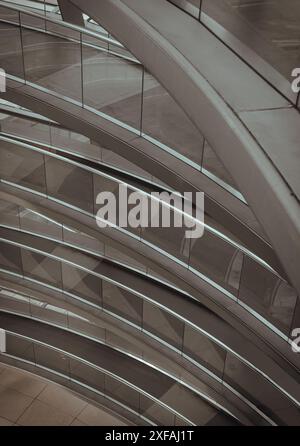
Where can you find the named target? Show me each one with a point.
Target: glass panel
(32, 21)
(10, 257)
(22, 166)
(113, 253)
(52, 359)
(163, 325)
(122, 393)
(11, 50)
(203, 350)
(87, 375)
(46, 312)
(53, 63)
(123, 303)
(156, 413)
(9, 14)
(83, 325)
(165, 121)
(34, 222)
(26, 128)
(112, 85)
(264, 291)
(189, 405)
(74, 142)
(9, 214)
(82, 284)
(214, 258)
(19, 347)
(42, 268)
(283, 304)
(69, 183)
(82, 240)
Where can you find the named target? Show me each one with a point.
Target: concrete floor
(27, 400)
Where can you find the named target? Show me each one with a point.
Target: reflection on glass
(268, 294)
(204, 351)
(26, 128)
(163, 325)
(53, 63)
(11, 49)
(35, 22)
(155, 412)
(83, 240)
(123, 303)
(19, 347)
(35, 222)
(215, 258)
(85, 69)
(52, 359)
(112, 85)
(253, 386)
(46, 312)
(9, 14)
(28, 171)
(122, 393)
(9, 214)
(10, 257)
(41, 267)
(69, 183)
(87, 374)
(81, 283)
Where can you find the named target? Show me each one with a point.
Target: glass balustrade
(224, 365)
(224, 264)
(99, 74)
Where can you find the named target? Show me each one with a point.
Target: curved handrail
(162, 368)
(263, 250)
(143, 184)
(207, 372)
(67, 261)
(77, 358)
(247, 234)
(121, 379)
(135, 131)
(141, 236)
(258, 163)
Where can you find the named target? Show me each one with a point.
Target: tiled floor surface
(27, 400)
